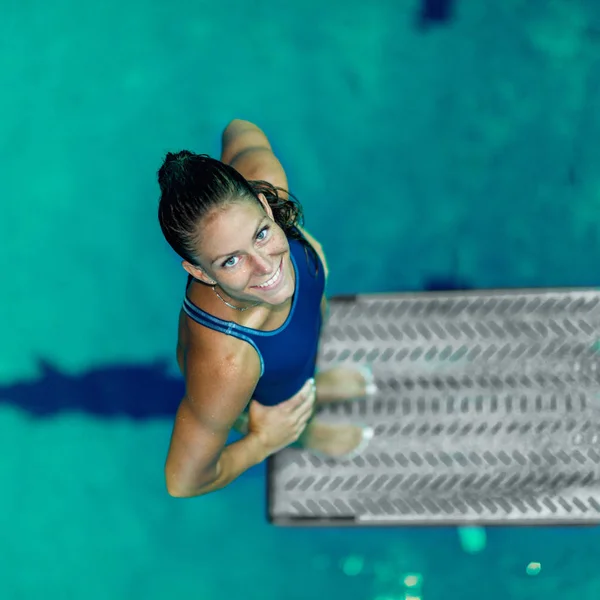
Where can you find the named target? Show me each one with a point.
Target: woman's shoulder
(205, 343)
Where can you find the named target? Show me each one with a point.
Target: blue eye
(225, 264)
(266, 228)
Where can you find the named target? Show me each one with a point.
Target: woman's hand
(281, 425)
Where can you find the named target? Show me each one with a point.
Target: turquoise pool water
(462, 153)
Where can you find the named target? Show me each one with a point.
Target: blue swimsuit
(288, 354)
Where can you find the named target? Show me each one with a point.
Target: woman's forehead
(232, 212)
(225, 228)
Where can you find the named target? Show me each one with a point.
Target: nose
(264, 264)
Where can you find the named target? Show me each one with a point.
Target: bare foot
(331, 440)
(339, 384)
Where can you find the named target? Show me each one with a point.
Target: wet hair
(192, 185)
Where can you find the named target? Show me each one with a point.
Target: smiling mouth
(273, 281)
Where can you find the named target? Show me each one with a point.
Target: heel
(371, 385)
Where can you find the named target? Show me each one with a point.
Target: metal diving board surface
(487, 412)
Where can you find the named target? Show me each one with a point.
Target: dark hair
(192, 185)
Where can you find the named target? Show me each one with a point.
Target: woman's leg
(342, 382)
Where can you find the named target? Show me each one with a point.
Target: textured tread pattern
(488, 410)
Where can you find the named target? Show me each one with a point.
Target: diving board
(487, 412)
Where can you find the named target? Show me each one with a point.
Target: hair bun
(178, 157)
(173, 169)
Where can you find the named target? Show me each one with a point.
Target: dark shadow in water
(135, 391)
(434, 13)
(445, 284)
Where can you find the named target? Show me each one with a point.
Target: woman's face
(246, 253)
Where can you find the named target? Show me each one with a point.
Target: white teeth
(272, 280)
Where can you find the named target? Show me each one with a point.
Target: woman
(251, 319)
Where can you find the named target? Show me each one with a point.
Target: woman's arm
(219, 385)
(246, 148)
